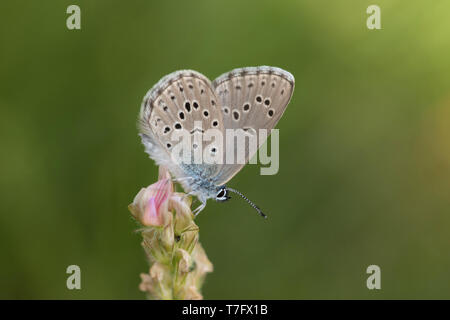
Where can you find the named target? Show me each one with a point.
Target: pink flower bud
(150, 206)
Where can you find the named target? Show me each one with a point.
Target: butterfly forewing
(251, 99)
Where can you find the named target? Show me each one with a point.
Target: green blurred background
(364, 157)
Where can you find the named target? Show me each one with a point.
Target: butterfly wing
(181, 100)
(251, 98)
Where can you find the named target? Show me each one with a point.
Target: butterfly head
(222, 194)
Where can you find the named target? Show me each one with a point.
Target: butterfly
(250, 99)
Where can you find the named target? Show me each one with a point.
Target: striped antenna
(248, 201)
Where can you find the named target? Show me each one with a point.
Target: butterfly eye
(221, 194)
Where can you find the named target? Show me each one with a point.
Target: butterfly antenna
(248, 201)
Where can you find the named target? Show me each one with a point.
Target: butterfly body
(200, 184)
(249, 99)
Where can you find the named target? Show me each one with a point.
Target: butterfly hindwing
(183, 100)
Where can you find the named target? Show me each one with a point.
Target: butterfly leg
(199, 208)
(187, 195)
(182, 179)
